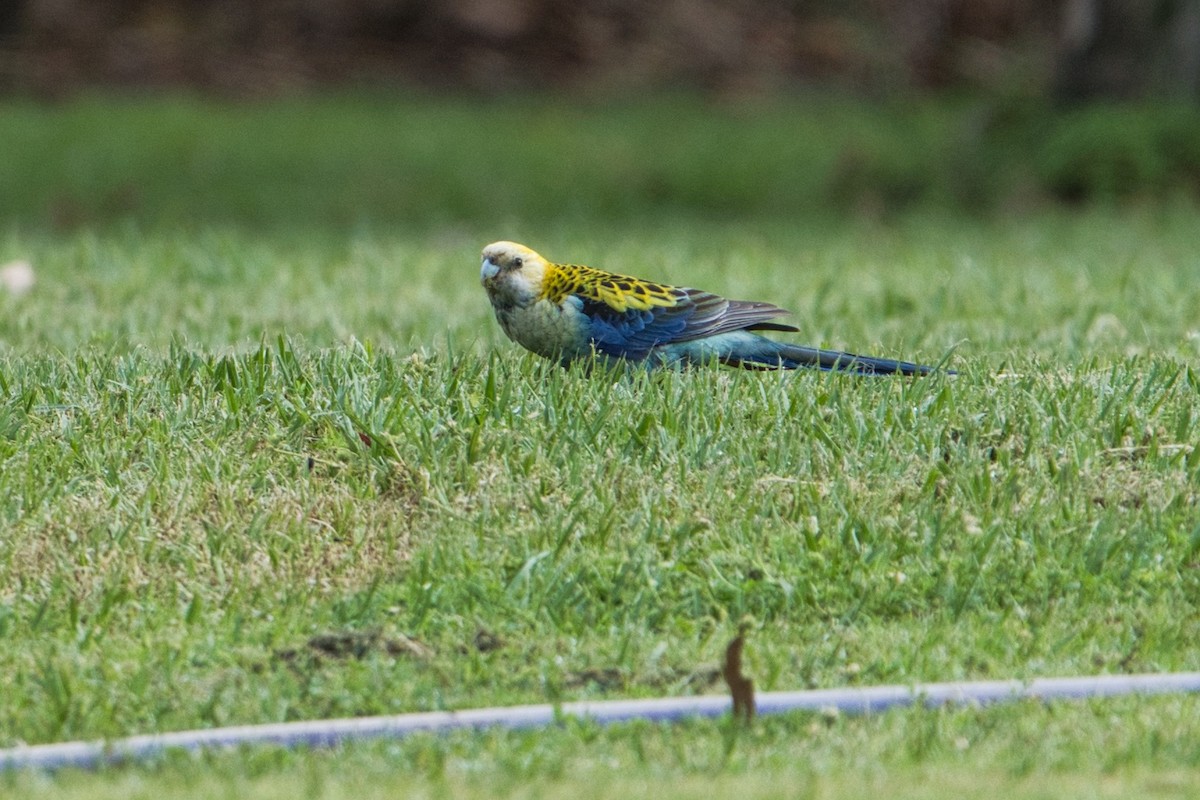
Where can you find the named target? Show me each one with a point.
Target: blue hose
(326, 733)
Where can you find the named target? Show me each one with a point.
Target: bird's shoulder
(621, 293)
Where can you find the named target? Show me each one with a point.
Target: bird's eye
(518, 262)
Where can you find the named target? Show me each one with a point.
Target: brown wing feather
(713, 314)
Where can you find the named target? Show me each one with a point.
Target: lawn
(265, 455)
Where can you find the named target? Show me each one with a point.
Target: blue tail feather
(751, 351)
(768, 354)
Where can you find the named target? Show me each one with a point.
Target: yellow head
(512, 274)
(501, 259)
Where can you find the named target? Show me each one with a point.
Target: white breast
(548, 329)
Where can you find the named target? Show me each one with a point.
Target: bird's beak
(488, 270)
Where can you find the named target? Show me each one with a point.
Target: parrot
(567, 312)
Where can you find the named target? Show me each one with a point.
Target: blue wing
(633, 333)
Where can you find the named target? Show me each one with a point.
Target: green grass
(223, 440)
(419, 162)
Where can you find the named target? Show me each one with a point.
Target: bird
(570, 312)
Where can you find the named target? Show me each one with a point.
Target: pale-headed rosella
(566, 312)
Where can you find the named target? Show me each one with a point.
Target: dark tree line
(1072, 49)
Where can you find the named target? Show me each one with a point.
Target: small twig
(740, 687)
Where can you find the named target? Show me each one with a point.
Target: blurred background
(1070, 49)
(492, 110)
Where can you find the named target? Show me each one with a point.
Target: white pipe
(325, 733)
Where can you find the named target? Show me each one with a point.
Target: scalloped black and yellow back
(619, 292)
